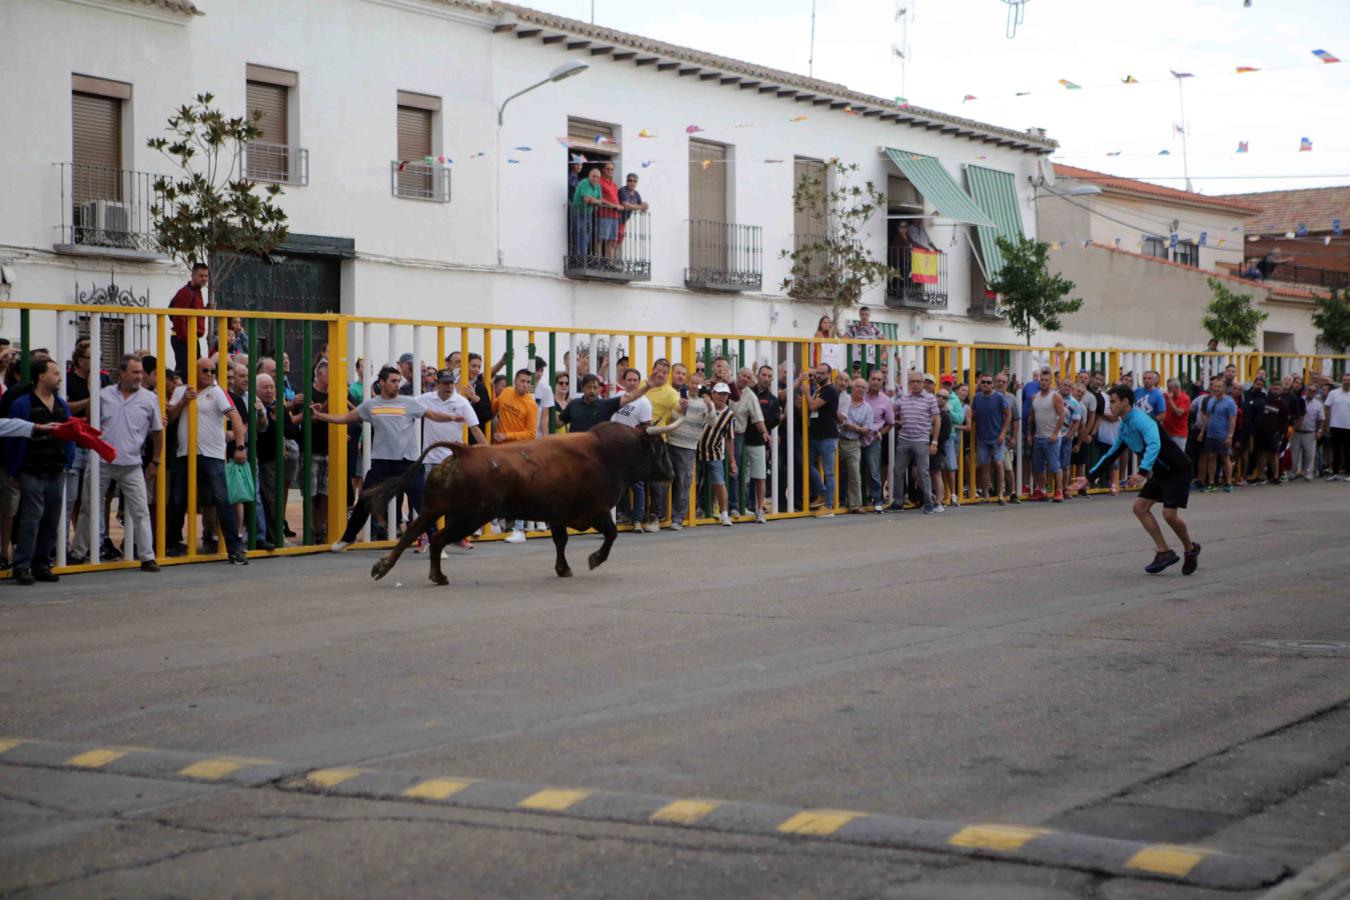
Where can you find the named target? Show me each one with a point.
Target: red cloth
(84, 435)
(189, 296)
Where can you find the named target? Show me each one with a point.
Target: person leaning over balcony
(189, 296)
(586, 199)
(128, 415)
(607, 217)
(37, 461)
(631, 201)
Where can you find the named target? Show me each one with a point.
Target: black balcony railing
(608, 244)
(904, 292)
(276, 162)
(108, 209)
(724, 257)
(1328, 278)
(419, 181)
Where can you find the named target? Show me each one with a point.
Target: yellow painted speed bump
(96, 759)
(1166, 859)
(553, 800)
(684, 812)
(818, 821)
(995, 837)
(331, 777)
(6, 744)
(215, 769)
(436, 789)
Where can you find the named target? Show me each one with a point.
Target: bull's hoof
(381, 568)
(566, 572)
(595, 559)
(439, 578)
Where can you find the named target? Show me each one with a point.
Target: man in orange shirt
(517, 420)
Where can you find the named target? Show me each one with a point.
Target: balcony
(107, 212)
(903, 292)
(276, 163)
(724, 257)
(986, 306)
(419, 181)
(608, 244)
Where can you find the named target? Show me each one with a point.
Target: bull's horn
(666, 429)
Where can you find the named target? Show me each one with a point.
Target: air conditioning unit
(106, 223)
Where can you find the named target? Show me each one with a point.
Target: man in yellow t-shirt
(517, 419)
(665, 401)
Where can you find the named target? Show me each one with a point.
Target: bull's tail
(379, 496)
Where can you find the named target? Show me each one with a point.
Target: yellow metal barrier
(341, 341)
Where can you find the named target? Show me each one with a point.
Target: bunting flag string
(1243, 70)
(1069, 85)
(692, 129)
(797, 119)
(1129, 79)
(1305, 146)
(1324, 56)
(644, 133)
(1242, 147)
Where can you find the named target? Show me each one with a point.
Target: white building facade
(355, 95)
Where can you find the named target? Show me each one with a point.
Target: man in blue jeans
(822, 402)
(38, 464)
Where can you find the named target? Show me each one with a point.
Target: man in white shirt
(447, 400)
(213, 410)
(635, 414)
(128, 414)
(543, 393)
(1338, 422)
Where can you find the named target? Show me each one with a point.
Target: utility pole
(1185, 157)
(811, 59)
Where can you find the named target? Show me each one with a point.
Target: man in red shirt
(607, 215)
(189, 296)
(1176, 420)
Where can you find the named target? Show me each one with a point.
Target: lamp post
(561, 73)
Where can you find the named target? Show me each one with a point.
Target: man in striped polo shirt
(917, 421)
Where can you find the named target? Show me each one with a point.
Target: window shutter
(271, 101)
(805, 221)
(97, 150)
(707, 186)
(583, 132)
(414, 133)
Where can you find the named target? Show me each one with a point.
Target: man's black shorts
(1172, 488)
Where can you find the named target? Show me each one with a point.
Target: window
(97, 185)
(418, 115)
(588, 134)
(270, 157)
(1186, 253)
(1155, 246)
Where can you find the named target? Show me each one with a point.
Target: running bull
(571, 480)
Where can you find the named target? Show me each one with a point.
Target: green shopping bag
(239, 483)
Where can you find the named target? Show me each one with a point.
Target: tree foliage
(209, 206)
(1332, 319)
(832, 264)
(1032, 298)
(1230, 318)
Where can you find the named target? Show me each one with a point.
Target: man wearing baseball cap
(447, 400)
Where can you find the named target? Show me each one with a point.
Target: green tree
(832, 263)
(1032, 297)
(1230, 318)
(1332, 319)
(209, 207)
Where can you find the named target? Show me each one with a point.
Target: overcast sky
(958, 47)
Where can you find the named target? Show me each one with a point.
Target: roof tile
(1283, 211)
(1145, 189)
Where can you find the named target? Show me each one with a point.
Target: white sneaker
(938, 507)
(676, 525)
(637, 528)
(654, 525)
(726, 519)
(760, 520)
(1333, 477)
(877, 508)
(516, 537)
(445, 555)
(339, 546)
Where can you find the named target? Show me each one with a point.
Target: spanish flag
(923, 266)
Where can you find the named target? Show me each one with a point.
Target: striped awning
(996, 194)
(939, 189)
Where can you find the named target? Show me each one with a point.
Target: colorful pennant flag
(1176, 74)
(1336, 227)
(1302, 230)
(478, 154)
(1204, 238)
(513, 162)
(1087, 242)
(851, 111)
(646, 164)
(1164, 152)
(1253, 237)
(565, 141)
(1114, 153)
(968, 97)
(692, 129)
(403, 164)
(923, 266)
(1326, 241)
(1172, 241)
(644, 133)
(797, 119)
(1289, 235)
(1070, 85)
(1305, 146)
(1242, 70)
(602, 139)
(706, 164)
(1023, 94)
(1117, 243)
(429, 160)
(524, 149)
(901, 101)
(1242, 147)
(1221, 241)
(1325, 57)
(772, 161)
(1129, 79)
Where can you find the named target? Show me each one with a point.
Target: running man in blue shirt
(1165, 476)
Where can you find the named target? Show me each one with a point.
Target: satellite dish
(1046, 170)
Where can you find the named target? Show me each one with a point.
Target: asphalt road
(1010, 666)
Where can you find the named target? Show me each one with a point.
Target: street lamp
(561, 73)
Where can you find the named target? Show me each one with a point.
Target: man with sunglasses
(631, 201)
(214, 411)
(993, 419)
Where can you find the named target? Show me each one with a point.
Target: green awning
(996, 193)
(937, 187)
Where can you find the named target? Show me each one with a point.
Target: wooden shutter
(808, 222)
(414, 133)
(583, 132)
(97, 150)
(707, 183)
(271, 101)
